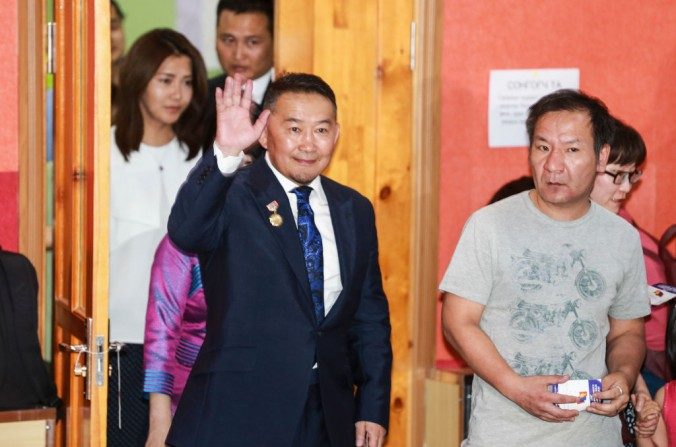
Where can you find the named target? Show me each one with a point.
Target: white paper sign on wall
(512, 92)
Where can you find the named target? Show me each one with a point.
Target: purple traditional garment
(175, 321)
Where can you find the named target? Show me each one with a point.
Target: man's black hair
(298, 83)
(265, 7)
(603, 125)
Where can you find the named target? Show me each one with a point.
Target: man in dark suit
(24, 380)
(244, 46)
(297, 351)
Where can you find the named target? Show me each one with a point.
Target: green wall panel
(143, 15)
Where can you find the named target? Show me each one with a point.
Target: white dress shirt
(322, 217)
(260, 85)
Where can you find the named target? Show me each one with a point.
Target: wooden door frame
(428, 16)
(81, 163)
(32, 146)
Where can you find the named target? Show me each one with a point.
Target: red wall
(626, 53)
(9, 126)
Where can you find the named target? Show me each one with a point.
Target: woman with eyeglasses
(627, 153)
(611, 190)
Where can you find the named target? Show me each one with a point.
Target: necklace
(159, 154)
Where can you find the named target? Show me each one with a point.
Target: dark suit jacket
(210, 110)
(24, 381)
(250, 381)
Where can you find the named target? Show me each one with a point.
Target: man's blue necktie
(311, 241)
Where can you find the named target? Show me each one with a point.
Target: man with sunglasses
(540, 290)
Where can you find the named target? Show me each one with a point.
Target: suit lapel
(267, 189)
(341, 209)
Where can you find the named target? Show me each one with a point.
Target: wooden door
(362, 49)
(381, 57)
(81, 126)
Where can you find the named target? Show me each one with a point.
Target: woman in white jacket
(154, 144)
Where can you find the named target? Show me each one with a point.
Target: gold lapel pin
(275, 219)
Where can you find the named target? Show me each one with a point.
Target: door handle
(73, 348)
(89, 361)
(79, 369)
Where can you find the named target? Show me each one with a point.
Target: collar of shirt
(318, 199)
(260, 85)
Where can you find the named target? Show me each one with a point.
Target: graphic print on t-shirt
(555, 289)
(531, 320)
(590, 284)
(557, 363)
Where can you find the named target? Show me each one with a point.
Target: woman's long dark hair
(140, 65)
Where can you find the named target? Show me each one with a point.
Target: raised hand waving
(234, 130)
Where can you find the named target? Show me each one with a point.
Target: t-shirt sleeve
(470, 273)
(632, 299)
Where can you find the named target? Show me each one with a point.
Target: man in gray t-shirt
(546, 286)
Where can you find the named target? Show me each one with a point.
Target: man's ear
(603, 158)
(335, 139)
(263, 139)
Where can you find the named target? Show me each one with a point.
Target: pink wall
(626, 53)
(9, 126)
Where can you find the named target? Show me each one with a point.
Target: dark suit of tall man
(250, 381)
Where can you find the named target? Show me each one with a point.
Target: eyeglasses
(620, 176)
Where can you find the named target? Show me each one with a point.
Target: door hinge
(51, 47)
(412, 50)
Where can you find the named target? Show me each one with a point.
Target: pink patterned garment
(175, 321)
